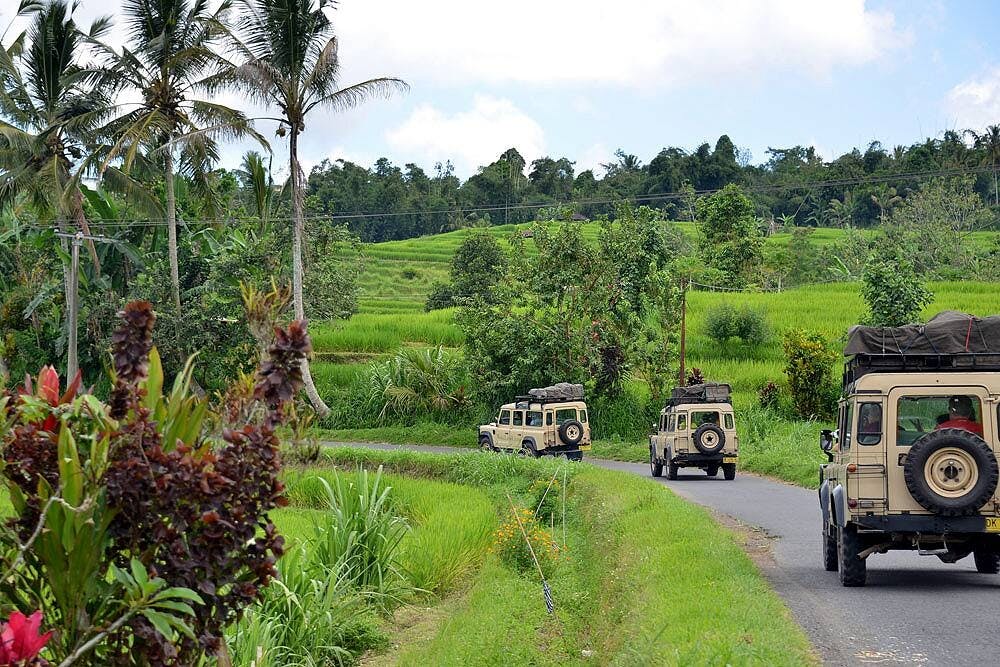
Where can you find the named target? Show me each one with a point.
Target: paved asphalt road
(915, 609)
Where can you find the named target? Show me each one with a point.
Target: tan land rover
(696, 430)
(913, 460)
(548, 421)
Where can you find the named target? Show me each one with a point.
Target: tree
(255, 177)
(729, 237)
(290, 61)
(808, 364)
(478, 265)
(892, 289)
(989, 142)
(171, 60)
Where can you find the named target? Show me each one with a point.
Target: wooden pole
(682, 376)
(72, 362)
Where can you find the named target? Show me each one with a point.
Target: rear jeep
(914, 458)
(697, 429)
(548, 421)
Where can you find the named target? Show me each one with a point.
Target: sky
(583, 78)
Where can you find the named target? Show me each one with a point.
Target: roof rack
(709, 392)
(862, 364)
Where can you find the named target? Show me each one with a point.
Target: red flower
(19, 639)
(48, 385)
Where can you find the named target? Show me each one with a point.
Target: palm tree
(290, 61)
(171, 60)
(989, 142)
(255, 176)
(48, 116)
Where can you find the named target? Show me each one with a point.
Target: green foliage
(730, 240)
(417, 382)
(725, 321)
(892, 289)
(477, 266)
(808, 367)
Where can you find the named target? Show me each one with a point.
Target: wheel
(571, 432)
(709, 439)
(574, 456)
(951, 472)
(987, 561)
(712, 471)
(655, 467)
(484, 445)
(528, 451)
(853, 570)
(729, 471)
(671, 471)
(829, 549)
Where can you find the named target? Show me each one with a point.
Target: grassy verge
(650, 579)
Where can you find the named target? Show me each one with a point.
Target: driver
(961, 415)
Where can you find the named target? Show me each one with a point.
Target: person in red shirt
(961, 415)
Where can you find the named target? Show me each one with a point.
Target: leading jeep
(697, 429)
(913, 462)
(548, 421)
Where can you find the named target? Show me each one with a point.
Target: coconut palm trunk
(298, 272)
(175, 272)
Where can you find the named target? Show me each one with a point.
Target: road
(915, 609)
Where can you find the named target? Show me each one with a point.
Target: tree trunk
(298, 232)
(175, 273)
(81, 219)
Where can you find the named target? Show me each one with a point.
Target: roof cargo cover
(564, 391)
(949, 332)
(710, 392)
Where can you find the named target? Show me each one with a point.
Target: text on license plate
(993, 524)
(732, 459)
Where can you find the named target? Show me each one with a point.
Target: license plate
(732, 459)
(993, 524)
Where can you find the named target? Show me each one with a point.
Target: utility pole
(72, 362)
(683, 373)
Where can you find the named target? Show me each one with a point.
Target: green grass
(628, 592)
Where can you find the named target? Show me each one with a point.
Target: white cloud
(634, 43)
(975, 102)
(593, 157)
(469, 138)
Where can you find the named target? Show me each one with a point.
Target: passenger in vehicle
(961, 415)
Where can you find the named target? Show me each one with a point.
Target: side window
(505, 417)
(583, 416)
(682, 422)
(869, 423)
(729, 421)
(845, 428)
(671, 422)
(534, 418)
(548, 419)
(518, 418)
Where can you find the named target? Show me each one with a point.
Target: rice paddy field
(399, 275)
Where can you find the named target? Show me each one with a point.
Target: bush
(769, 396)
(510, 544)
(808, 365)
(725, 321)
(417, 382)
(892, 290)
(442, 296)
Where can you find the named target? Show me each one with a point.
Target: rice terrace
(378, 333)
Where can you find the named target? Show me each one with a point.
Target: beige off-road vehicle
(913, 460)
(697, 429)
(548, 421)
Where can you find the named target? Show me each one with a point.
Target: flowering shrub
(20, 642)
(140, 534)
(509, 543)
(769, 395)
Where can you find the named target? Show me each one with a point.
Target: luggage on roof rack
(950, 341)
(563, 391)
(709, 392)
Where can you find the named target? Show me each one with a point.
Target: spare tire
(571, 432)
(709, 439)
(951, 472)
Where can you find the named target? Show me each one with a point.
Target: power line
(638, 199)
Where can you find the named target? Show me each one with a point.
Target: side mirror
(656, 427)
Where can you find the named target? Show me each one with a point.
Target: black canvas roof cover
(948, 333)
(709, 392)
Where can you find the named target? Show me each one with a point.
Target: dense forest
(793, 186)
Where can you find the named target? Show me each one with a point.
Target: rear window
(564, 415)
(699, 418)
(729, 421)
(534, 418)
(583, 416)
(917, 415)
(505, 417)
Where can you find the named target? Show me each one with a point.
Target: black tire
(574, 456)
(729, 471)
(853, 570)
(829, 549)
(709, 439)
(987, 561)
(485, 445)
(973, 450)
(655, 467)
(672, 471)
(571, 432)
(712, 471)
